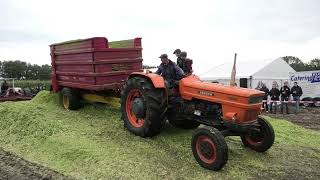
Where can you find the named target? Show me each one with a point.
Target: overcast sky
(211, 31)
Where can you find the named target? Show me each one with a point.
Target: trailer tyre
(70, 99)
(209, 148)
(143, 107)
(260, 141)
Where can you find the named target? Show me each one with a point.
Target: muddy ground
(308, 117)
(14, 167)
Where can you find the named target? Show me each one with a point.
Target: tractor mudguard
(157, 80)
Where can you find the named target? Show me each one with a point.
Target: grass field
(92, 144)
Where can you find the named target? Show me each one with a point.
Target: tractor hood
(193, 82)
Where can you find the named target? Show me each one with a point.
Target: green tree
(296, 63)
(14, 69)
(314, 64)
(22, 70)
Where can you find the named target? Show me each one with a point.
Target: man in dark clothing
(296, 92)
(274, 94)
(285, 93)
(4, 87)
(169, 71)
(265, 98)
(185, 63)
(177, 53)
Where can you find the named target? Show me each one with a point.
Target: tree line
(22, 70)
(298, 65)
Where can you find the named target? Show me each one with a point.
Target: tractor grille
(255, 99)
(252, 115)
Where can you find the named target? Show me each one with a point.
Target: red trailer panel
(94, 63)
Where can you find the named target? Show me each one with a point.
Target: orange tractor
(225, 111)
(87, 69)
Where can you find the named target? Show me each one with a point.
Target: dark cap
(177, 51)
(163, 56)
(183, 54)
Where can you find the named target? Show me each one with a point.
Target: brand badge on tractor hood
(206, 93)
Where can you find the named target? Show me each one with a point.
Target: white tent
(250, 73)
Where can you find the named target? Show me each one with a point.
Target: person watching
(296, 92)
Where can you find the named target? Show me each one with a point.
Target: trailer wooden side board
(90, 64)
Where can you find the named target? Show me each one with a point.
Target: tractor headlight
(255, 99)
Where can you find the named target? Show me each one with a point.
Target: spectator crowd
(283, 95)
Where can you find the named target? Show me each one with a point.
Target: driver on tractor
(170, 71)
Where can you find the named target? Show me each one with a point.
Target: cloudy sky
(211, 31)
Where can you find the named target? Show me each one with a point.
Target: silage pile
(92, 143)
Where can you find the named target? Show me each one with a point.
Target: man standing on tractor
(185, 63)
(296, 92)
(169, 71)
(285, 93)
(177, 53)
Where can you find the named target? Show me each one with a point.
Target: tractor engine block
(202, 111)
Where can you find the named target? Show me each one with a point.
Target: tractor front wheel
(209, 148)
(260, 139)
(143, 107)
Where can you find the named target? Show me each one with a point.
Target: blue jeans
(273, 109)
(297, 99)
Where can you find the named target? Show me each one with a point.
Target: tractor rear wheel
(209, 148)
(260, 140)
(143, 107)
(177, 121)
(70, 99)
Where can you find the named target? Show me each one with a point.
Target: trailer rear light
(255, 99)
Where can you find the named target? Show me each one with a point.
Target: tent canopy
(266, 69)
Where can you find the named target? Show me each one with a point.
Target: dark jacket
(170, 71)
(4, 86)
(274, 94)
(296, 91)
(185, 65)
(266, 92)
(285, 91)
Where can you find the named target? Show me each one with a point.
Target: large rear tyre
(71, 99)
(143, 107)
(209, 148)
(177, 121)
(261, 139)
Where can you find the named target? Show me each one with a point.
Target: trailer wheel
(143, 107)
(70, 99)
(175, 120)
(262, 139)
(209, 148)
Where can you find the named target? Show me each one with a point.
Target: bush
(32, 84)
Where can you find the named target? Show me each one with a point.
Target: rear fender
(157, 80)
